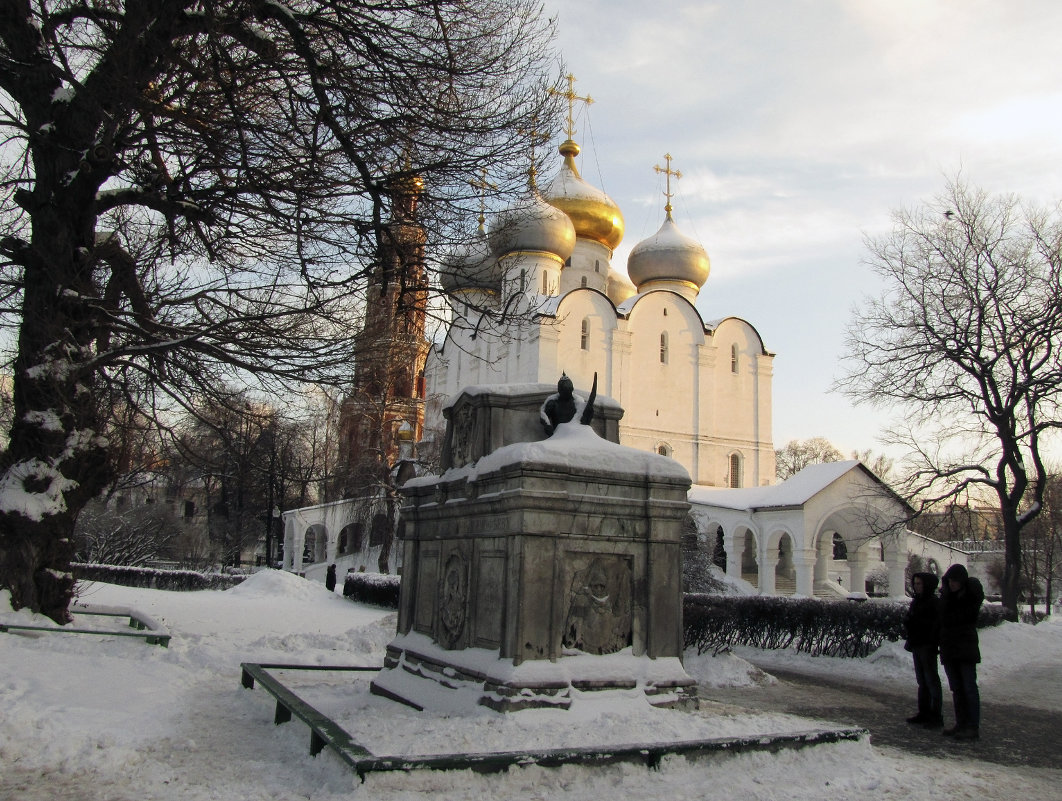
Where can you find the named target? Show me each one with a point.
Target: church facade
(698, 391)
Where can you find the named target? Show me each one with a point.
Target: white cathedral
(697, 391)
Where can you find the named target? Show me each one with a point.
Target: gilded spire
(668, 172)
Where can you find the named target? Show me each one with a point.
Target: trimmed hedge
(811, 625)
(155, 578)
(378, 589)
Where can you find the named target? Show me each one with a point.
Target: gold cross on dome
(571, 97)
(668, 172)
(535, 136)
(482, 184)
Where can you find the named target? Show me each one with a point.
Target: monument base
(419, 673)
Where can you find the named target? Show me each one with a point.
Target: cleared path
(1011, 733)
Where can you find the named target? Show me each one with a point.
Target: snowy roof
(573, 447)
(794, 491)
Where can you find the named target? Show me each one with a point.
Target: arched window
(584, 334)
(840, 550)
(545, 284)
(663, 449)
(735, 470)
(733, 358)
(663, 347)
(597, 265)
(582, 282)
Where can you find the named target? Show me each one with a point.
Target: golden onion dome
(532, 225)
(593, 213)
(668, 255)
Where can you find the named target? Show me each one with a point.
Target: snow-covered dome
(533, 225)
(593, 213)
(668, 255)
(472, 268)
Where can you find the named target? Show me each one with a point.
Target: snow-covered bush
(154, 578)
(814, 626)
(378, 589)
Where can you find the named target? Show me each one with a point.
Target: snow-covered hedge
(378, 589)
(154, 578)
(814, 626)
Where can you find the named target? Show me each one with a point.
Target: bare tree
(965, 342)
(798, 454)
(194, 193)
(133, 535)
(1042, 548)
(879, 463)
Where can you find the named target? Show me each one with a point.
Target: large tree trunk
(56, 459)
(1011, 563)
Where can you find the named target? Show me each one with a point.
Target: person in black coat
(960, 602)
(922, 625)
(330, 579)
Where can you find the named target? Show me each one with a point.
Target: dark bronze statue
(561, 406)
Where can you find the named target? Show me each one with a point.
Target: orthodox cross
(668, 172)
(571, 97)
(482, 184)
(535, 136)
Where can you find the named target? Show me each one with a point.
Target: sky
(798, 127)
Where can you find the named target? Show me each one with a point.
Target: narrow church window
(665, 311)
(735, 470)
(583, 281)
(523, 280)
(663, 449)
(568, 262)
(597, 266)
(545, 286)
(663, 347)
(584, 335)
(733, 358)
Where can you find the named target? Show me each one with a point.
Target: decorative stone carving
(453, 600)
(598, 620)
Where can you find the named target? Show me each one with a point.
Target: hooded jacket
(958, 616)
(922, 623)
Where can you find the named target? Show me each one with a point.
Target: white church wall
(589, 267)
(579, 362)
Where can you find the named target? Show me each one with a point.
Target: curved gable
(720, 326)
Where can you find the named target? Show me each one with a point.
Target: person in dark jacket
(923, 636)
(960, 601)
(330, 579)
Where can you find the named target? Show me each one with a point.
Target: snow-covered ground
(93, 718)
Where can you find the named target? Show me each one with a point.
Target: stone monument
(536, 570)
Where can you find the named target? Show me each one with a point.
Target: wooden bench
(144, 627)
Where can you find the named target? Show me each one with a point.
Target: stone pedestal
(542, 569)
